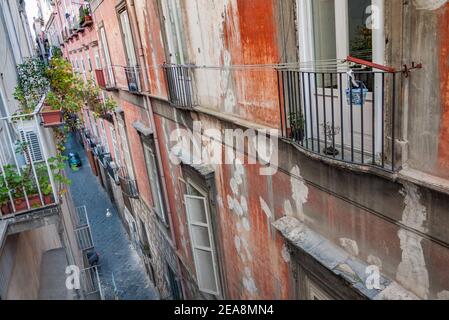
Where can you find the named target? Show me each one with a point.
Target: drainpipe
(149, 111)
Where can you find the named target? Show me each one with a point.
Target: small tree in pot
(330, 131)
(296, 120)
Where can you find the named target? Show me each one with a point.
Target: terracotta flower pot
(5, 209)
(48, 200)
(50, 117)
(87, 20)
(20, 204)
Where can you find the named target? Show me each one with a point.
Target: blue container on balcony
(357, 94)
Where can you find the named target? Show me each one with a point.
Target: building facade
(317, 166)
(39, 230)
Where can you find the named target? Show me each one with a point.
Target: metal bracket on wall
(406, 70)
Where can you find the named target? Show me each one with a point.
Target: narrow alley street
(122, 272)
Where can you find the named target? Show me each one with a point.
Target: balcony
(348, 116)
(129, 186)
(85, 16)
(134, 76)
(106, 78)
(26, 179)
(179, 86)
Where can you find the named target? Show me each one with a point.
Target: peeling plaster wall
(238, 33)
(382, 223)
(428, 118)
(429, 4)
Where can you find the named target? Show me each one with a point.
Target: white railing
(91, 284)
(82, 230)
(26, 178)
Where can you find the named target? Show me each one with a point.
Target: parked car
(74, 160)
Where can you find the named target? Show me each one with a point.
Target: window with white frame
(173, 27)
(107, 57)
(115, 145)
(97, 59)
(128, 39)
(83, 68)
(153, 175)
(200, 230)
(30, 137)
(125, 147)
(104, 138)
(334, 29)
(329, 31)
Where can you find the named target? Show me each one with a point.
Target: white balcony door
(128, 39)
(107, 57)
(173, 30)
(125, 148)
(330, 30)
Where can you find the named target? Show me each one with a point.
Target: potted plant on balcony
(85, 17)
(32, 84)
(4, 198)
(296, 131)
(330, 131)
(51, 112)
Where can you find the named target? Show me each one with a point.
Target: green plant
(32, 83)
(296, 120)
(57, 167)
(53, 101)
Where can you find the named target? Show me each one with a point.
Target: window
(97, 59)
(125, 148)
(83, 70)
(175, 285)
(104, 139)
(30, 137)
(153, 175)
(314, 292)
(201, 240)
(128, 39)
(175, 41)
(334, 29)
(107, 57)
(89, 64)
(115, 145)
(143, 233)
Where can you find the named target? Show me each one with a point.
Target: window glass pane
(205, 272)
(324, 29)
(191, 190)
(360, 37)
(196, 209)
(200, 236)
(324, 35)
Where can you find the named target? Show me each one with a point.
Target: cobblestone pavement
(119, 261)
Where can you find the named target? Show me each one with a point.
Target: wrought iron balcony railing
(180, 85)
(85, 15)
(106, 78)
(129, 186)
(134, 76)
(346, 116)
(26, 177)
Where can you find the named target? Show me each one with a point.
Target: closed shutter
(35, 148)
(156, 190)
(202, 244)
